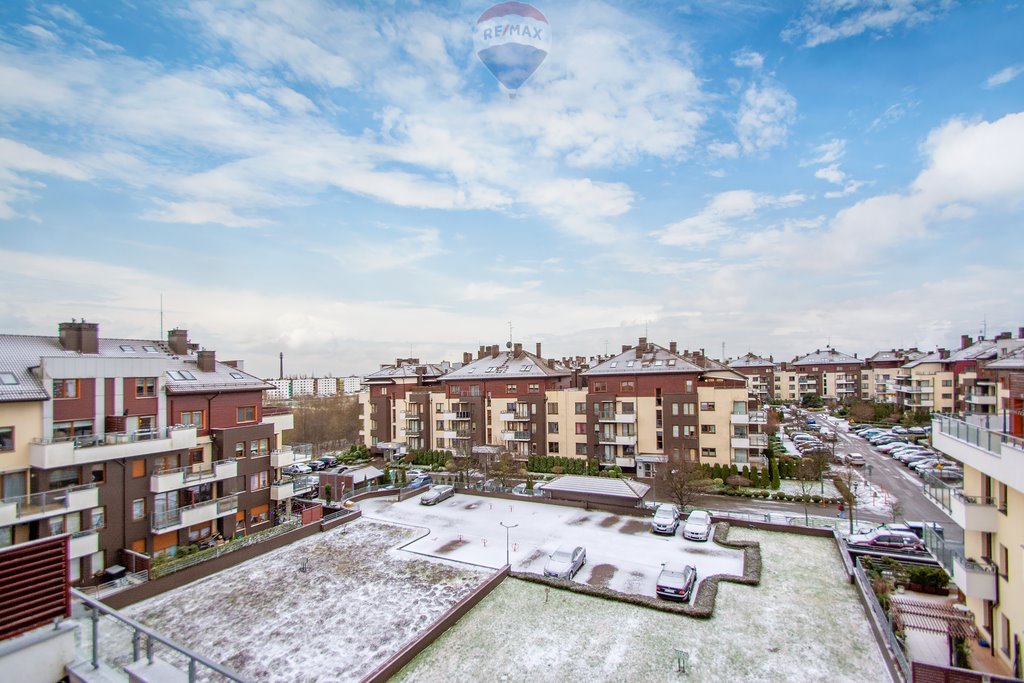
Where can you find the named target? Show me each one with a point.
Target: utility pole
(507, 527)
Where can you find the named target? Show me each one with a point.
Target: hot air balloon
(512, 39)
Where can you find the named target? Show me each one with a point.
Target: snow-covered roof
(605, 486)
(1012, 361)
(979, 350)
(405, 370)
(933, 357)
(827, 357)
(895, 355)
(751, 361)
(654, 359)
(506, 365)
(362, 474)
(20, 353)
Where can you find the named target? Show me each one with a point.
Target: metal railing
(167, 518)
(43, 501)
(986, 439)
(193, 474)
(939, 491)
(143, 641)
(163, 568)
(113, 438)
(102, 590)
(884, 620)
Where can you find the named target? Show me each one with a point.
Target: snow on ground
(793, 488)
(359, 602)
(622, 553)
(803, 623)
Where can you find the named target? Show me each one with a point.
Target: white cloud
(199, 213)
(749, 59)
(19, 161)
(494, 291)
(849, 188)
(727, 150)
(583, 207)
(827, 153)
(1004, 76)
(825, 21)
(764, 116)
(715, 221)
(831, 174)
(717, 173)
(892, 114)
(396, 247)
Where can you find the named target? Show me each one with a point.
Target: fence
(117, 585)
(170, 566)
(893, 645)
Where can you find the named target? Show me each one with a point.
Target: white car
(698, 526)
(565, 562)
(436, 494)
(665, 520)
(297, 468)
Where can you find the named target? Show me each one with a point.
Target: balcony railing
(194, 514)
(110, 438)
(985, 439)
(618, 417)
(180, 477)
(71, 451)
(513, 435)
(16, 509)
(289, 455)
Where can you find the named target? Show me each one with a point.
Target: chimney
(467, 358)
(420, 370)
(480, 353)
(207, 361)
(965, 341)
(551, 363)
(538, 351)
(943, 354)
(81, 336)
(672, 347)
(281, 375)
(1020, 333)
(494, 351)
(177, 340)
(626, 347)
(1003, 335)
(640, 350)
(517, 350)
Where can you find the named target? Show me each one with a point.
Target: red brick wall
(81, 408)
(138, 406)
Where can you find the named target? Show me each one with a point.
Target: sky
(347, 183)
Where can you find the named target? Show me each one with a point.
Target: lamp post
(507, 527)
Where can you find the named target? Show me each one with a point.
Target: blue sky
(347, 183)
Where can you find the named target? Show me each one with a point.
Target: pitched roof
(505, 365)
(827, 357)
(403, 371)
(654, 360)
(751, 361)
(1011, 361)
(606, 486)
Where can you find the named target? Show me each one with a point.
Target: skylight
(180, 375)
(127, 348)
(8, 378)
(150, 349)
(237, 375)
(525, 367)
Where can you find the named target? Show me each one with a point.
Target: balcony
(758, 417)
(739, 418)
(758, 440)
(207, 511)
(83, 450)
(463, 434)
(36, 506)
(463, 415)
(740, 442)
(84, 543)
(973, 513)
(617, 439)
(294, 486)
(625, 462)
(996, 454)
(171, 480)
(974, 579)
(289, 455)
(616, 418)
(281, 418)
(514, 416)
(446, 434)
(510, 435)
(981, 399)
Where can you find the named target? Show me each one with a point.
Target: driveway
(622, 553)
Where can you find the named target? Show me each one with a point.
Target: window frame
(243, 417)
(145, 387)
(136, 515)
(9, 430)
(63, 394)
(190, 421)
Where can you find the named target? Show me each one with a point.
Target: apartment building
(631, 410)
(131, 446)
(831, 374)
(352, 384)
(988, 567)
(878, 376)
(760, 373)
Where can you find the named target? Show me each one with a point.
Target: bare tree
(895, 508)
(327, 423)
(808, 473)
(684, 480)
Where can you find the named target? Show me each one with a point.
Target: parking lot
(622, 553)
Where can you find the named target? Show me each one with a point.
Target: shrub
(816, 498)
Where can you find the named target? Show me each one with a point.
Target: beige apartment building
(632, 410)
(878, 377)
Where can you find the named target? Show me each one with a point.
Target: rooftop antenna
(161, 315)
(510, 333)
(723, 352)
(606, 347)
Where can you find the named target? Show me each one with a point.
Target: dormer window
(127, 348)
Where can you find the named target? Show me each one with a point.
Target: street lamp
(507, 527)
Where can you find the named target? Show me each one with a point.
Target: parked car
(422, 480)
(855, 459)
(328, 461)
(916, 528)
(565, 562)
(414, 472)
(676, 581)
(436, 494)
(665, 520)
(316, 465)
(297, 468)
(899, 430)
(698, 526)
(521, 490)
(917, 430)
(887, 539)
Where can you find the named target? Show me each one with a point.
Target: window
(180, 375)
(627, 407)
(98, 472)
(149, 349)
(534, 388)
(708, 453)
(689, 431)
(138, 509)
(6, 438)
(1004, 561)
(689, 409)
(98, 561)
(247, 414)
(145, 387)
(258, 481)
(675, 408)
(600, 386)
(194, 418)
(660, 441)
(707, 405)
(552, 447)
(689, 386)
(138, 468)
(707, 429)
(552, 409)
(259, 515)
(552, 427)
(581, 408)
(195, 456)
(260, 448)
(65, 388)
(581, 427)
(165, 463)
(127, 348)
(56, 525)
(98, 518)
(1001, 502)
(240, 448)
(8, 378)
(675, 431)
(581, 449)
(947, 396)
(1004, 635)
(629, 385)
(237, 375)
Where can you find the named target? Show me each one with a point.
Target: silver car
(698, 526)
(436, 494)
(665, 520)
(565, 562)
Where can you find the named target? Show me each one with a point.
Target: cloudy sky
(347, 183)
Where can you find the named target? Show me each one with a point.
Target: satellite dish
(508, 345)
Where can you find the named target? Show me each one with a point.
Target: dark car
(316, 465)
(328, 461)
(422, 480)
(887, 539)
(675, 582)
